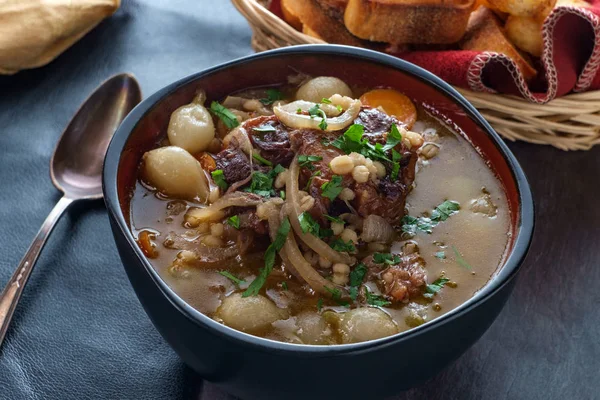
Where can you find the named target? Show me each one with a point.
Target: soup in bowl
(279, 203)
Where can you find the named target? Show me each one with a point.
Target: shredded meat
(273, 145)
(399, 282)
(234, 163)
(375, 122)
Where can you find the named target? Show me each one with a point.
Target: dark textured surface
(80, 333)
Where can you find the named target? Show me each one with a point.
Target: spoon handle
(12, 292)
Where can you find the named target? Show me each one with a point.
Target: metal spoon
(75, 170)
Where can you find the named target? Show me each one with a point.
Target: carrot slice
(145, 243)
(393, 103)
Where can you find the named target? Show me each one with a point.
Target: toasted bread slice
(290, 8)
(485, 33)
(334, 8)
(408, 21)
(318, 23)
(522, 8)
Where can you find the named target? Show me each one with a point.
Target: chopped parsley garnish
(219, 179)
(299, 111)
(334, 219)
(228, 118)
(411, 225)
(264, 128)
(234, 221)
(386, 258)
(232, 277)
(432, 288)
(315, 111)
(396, 157)
(306, 161)
(460, 260)
(319, 304)
(375, 300)
(270, 253)
(333, 188)
(272, 96)
(441, 255)
(336, 295)
(325, 101)
(261, 160)
(356, 278)
(309, 225)
(352, 141)
(262, 184)
(445, 210)
(284, 285)
(340, 245)
(282, 194)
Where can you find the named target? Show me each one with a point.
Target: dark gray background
(79, 331)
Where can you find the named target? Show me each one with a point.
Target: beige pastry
(34, 32)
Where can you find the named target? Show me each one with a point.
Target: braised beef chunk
(234, 163)
(375, 122)
(310, 142)
(387, 198)
(402, 281)
(271, 138)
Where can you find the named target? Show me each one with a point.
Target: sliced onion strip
(316, 244)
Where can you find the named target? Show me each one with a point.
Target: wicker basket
(571, 122)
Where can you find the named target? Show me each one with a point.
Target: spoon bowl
(76, 170)
(76, 165)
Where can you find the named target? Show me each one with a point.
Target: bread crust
(408, 21)
(485, 33)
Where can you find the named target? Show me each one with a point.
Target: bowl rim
(513, 261)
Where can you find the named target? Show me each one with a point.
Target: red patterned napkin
(570, 61)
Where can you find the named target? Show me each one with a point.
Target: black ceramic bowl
(256, 368)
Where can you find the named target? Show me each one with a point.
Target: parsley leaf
(228, 118)
(260, 159)
(334, 219)
(219, 179)
(319, 304)
(340, 245)
(445, 210)
(315, 111)
(306, 161)
(262, 184)
(272, 96)
(333, 188)
(432, 288)
(264, 128)
(336, 295)
(375, 300)
(234, 221)
(410, 225)
(308, 224)
(356, 278)
(396, 157)
(284, 285)
(386, 258)
(232, 277)
(441, 255)
(460, 260)
(270, 253)
(393, 138)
